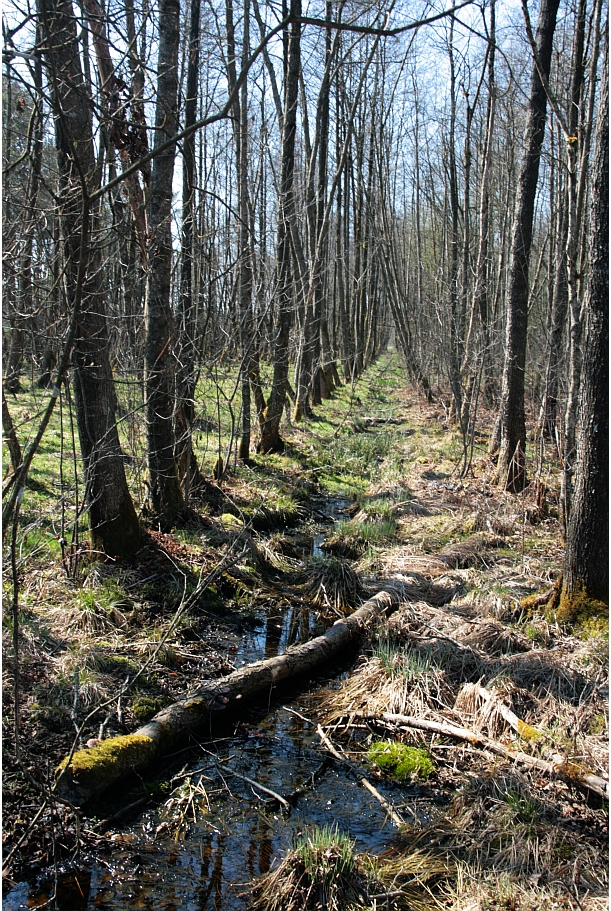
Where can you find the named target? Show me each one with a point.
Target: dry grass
(392, 680)
(475, 551)
(476, 890)
(505, 834)
(332, 585)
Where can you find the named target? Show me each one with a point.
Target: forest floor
(103, 647)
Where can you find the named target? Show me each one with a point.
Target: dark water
(232, 832)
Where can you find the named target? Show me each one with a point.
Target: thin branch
(382, 32)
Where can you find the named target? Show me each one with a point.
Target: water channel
(232, 831)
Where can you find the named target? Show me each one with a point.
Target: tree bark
(9, 435)
(572, 255)
(90, 772)
(480, 304)
(318, 233)
(511, 470)
(586, 565)
(20, 316)
(456, 341)
(160, 365)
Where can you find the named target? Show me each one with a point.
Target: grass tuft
(332, 585)
(323, 872)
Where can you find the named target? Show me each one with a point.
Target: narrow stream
(232, 832)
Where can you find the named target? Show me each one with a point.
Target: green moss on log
(96, 769)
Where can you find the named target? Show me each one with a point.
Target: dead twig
(256, 784)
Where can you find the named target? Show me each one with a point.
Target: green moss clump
(594, 628)
(97, 768)
(228, 520)
(597, 725)
(400, 761)
(145, 707)
(577, 607)
(528, 732)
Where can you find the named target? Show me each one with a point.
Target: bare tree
(112, 517)
(270, 440)
(160, 364)
(510, 433)
(586, 566)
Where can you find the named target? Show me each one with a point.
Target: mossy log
(88, 773)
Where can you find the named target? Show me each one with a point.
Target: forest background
(234, 209)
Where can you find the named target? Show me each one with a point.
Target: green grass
(326, 854)
(523, 809)
(325, 451)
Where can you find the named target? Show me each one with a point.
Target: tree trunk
(511, 470)
(572, 256)
(22, 314)
(160, 365)
(112, 518)
(188, 471)
(318, 244)
(271, 440)
(456, 341)
(9, 435)
(477, 357)
(90, 772)
(559, 306)
(586, 565)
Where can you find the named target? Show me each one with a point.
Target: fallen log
(86, 774)
(556, 766)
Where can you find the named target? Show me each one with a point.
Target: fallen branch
(526, 731)
(556, 766)
(88, 773)
(392, 813)
(256, 784)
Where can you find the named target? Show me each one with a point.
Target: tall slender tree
(112, 518)
(509, 438)
(270, 440)
(160, 362)
(586, 566)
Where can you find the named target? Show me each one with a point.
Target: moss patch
(145, 707)
(578, 606)
(400, 761)
(528, 732)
